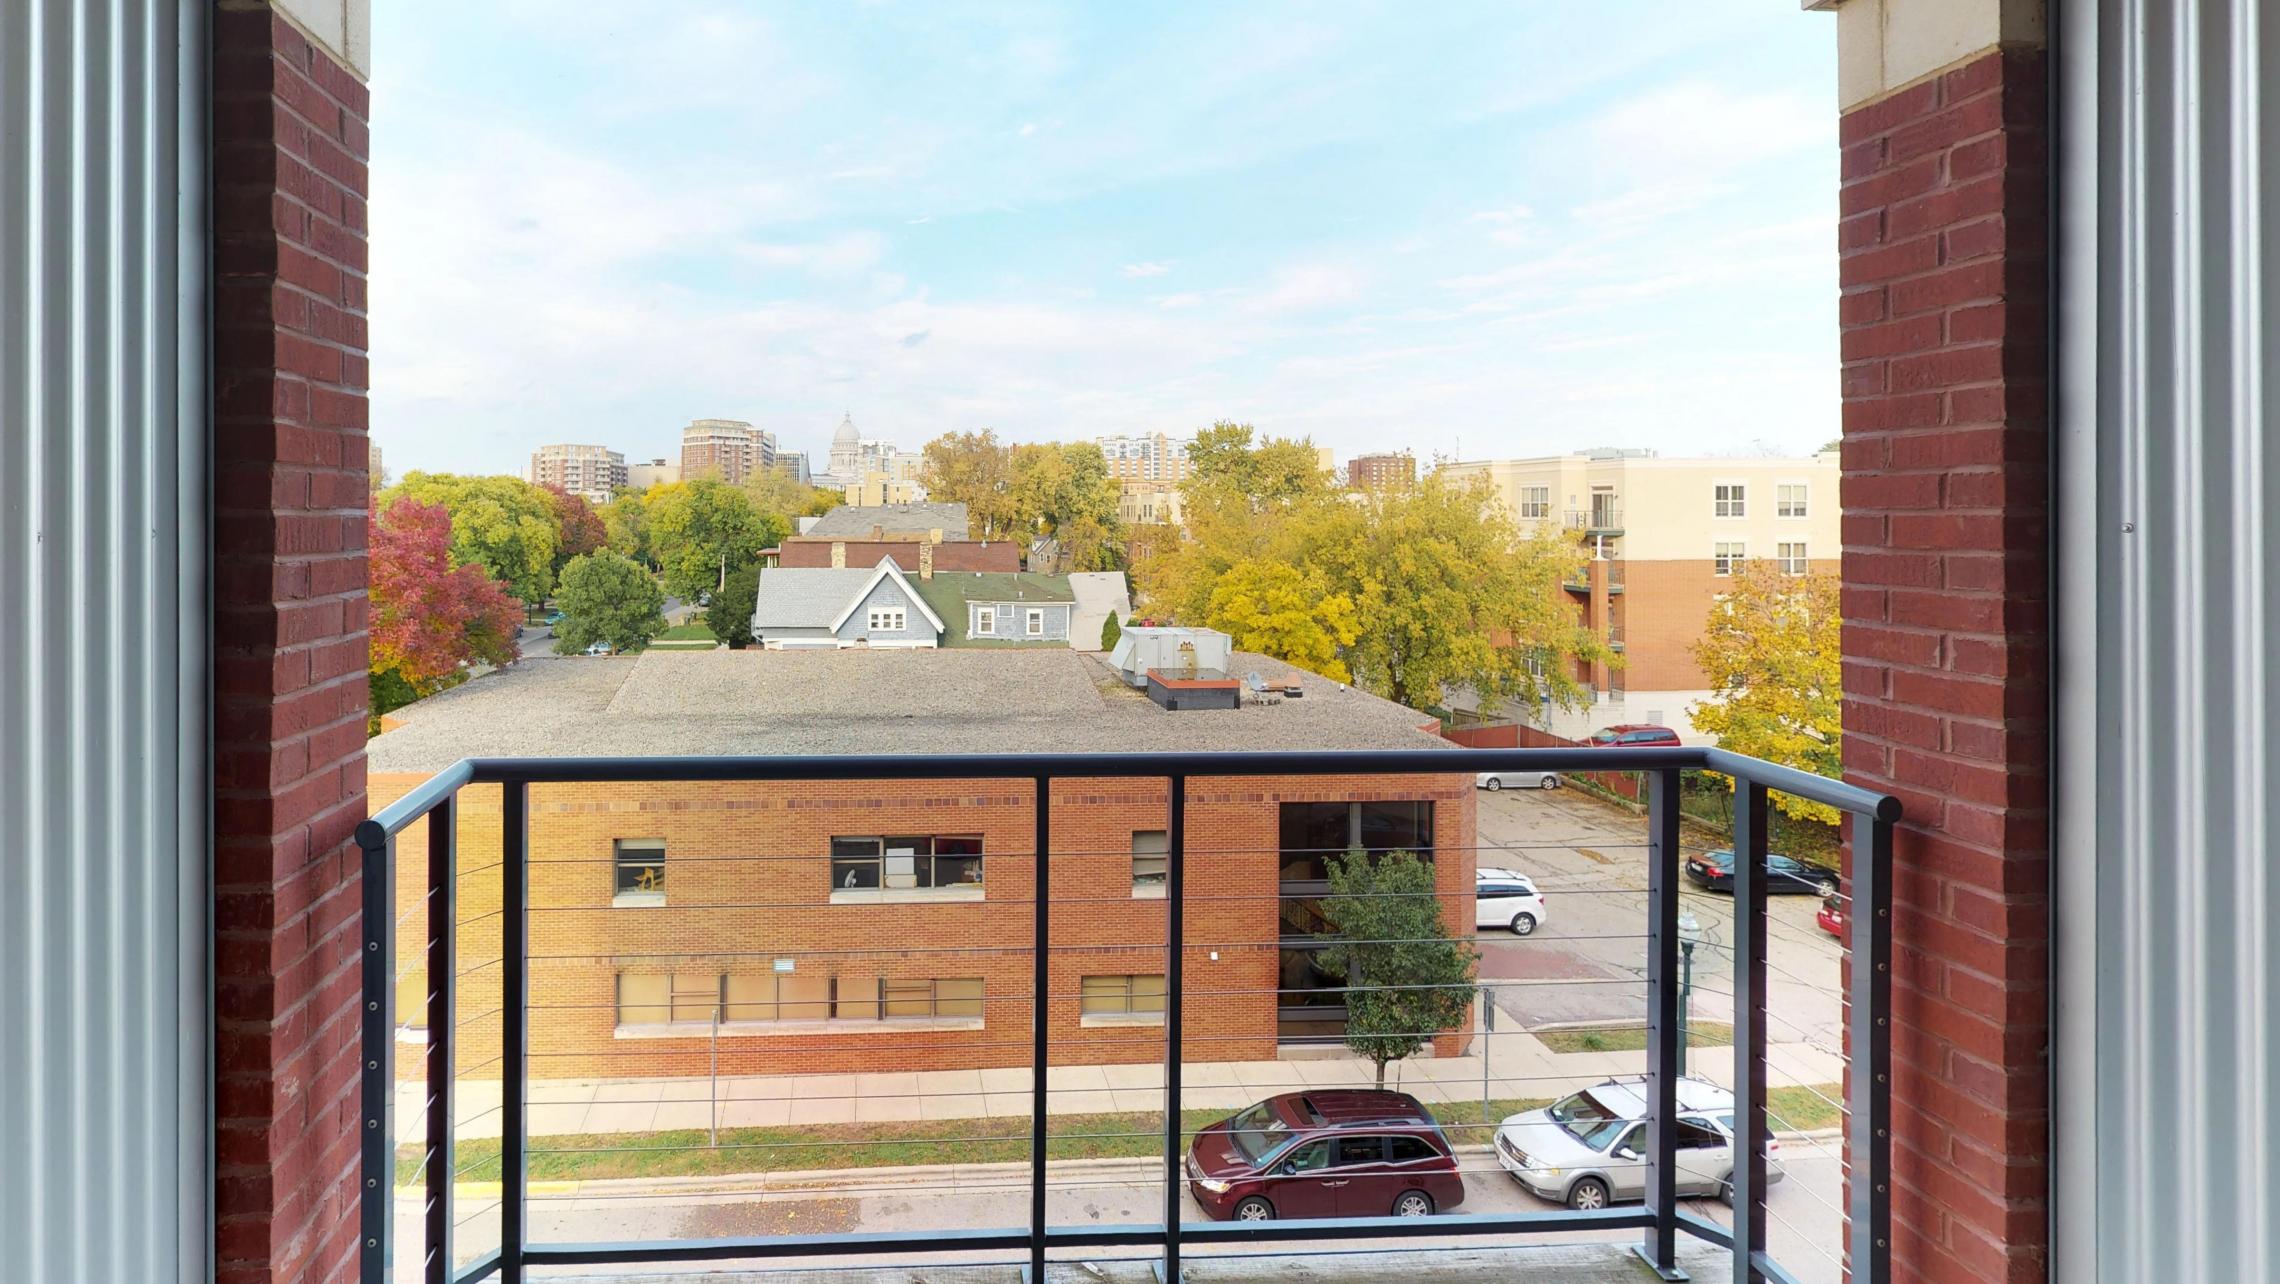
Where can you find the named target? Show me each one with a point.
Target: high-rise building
(377, 472)
(592, 473)
(645, 475)
(855, 458)
(794, 463)
(1387, 471)
(729, 449)
(1665, 536)
(1152, 458)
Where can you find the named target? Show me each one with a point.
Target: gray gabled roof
(806, 597)
(852, 522)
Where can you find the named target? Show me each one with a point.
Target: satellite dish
(1254, 681)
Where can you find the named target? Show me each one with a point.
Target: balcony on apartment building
(1601, 518)
(741, 1047)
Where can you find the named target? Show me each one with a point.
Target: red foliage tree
(428, 616)
(580, 529)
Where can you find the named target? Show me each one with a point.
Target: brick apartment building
(729, 449)
(842, 926)
(1388, 471)
(593, 473)
(1665, 536)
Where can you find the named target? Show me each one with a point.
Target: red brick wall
(1947, 639)
(289, 647)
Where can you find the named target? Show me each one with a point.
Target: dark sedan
(1714, 872)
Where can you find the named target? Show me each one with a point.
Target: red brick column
(1946, 638)
(289, 647)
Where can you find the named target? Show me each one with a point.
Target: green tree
(700, 530)
(1773, 651)
(1110, 632)
(606, 597)
(1406, 978)
(1064, 490)
(626, 526)
(729, 614)
(503, 524)
(974, 469)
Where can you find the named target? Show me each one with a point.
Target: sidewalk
(1519, 1066)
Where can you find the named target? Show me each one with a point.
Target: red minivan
(1632, 735)
(1338, 1152)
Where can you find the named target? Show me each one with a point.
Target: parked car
(1589, 1150)
(553, 618)
(598, 648)
(1507, 898)
(1714, 872)
(1495, 780)
(1335, 1152)
(1832, 916)
(1631, 735)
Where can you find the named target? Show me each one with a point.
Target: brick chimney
(926, 561)
(838, 555)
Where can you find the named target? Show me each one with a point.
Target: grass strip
(1632, 1038)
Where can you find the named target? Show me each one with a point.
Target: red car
(1832, 917)
(1339, 1152)
(1632, 735)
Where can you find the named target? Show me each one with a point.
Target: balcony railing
(1028, 779)
(1599, 519)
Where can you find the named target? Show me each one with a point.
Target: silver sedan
(1496, 780)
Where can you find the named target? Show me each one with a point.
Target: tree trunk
(1381, 1075)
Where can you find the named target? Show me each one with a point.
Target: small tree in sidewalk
(1406, 978)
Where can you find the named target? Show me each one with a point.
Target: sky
(1468, 230)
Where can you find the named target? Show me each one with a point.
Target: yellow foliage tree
(1273, 608)
(1772, 649)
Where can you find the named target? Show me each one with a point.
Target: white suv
(1505, 898)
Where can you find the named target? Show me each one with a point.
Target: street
(1089, 1192)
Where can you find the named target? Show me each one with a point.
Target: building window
(1036, 623)
(1789, 500)
(1535, 501)
(640, 866)
(1727, 555)
(1313, 832)
(1151, 857)
(886, 619)
(678, 998)
(905, 863)
(1792, 557)
(930, 999)
(985, 620)
(1139, 996)
(1729, 500)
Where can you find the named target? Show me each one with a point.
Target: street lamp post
(1689, 934)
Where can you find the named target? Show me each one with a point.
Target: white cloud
(1307, 288)
(1146, 269)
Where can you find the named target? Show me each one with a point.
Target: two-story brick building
(843, 925)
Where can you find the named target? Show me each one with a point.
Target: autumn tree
(578, 529)
(1274, 608)
(974, 469)
(700, 530)
(503, 524)
(1405, 977)
(1772, 649)
(1064, 490)
(606, 597)
(776, 492)
(429, 616)
(626, 522)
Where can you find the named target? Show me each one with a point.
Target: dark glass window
(1406, 1149)
(640, 869)
(905, 862)
(1360, 1150)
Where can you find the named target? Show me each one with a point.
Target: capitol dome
(846, 436)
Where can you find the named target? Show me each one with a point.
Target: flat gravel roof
(668, 703)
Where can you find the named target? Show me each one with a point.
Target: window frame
(623, 895)
(1033, 622)
(985, 621)
(899, 615)
(1792, 565)
(1724, 506)
(1535, 502)
(1723, 563)
(1122, 998)
(927, 872)
(1781, 500)
(1151, 885)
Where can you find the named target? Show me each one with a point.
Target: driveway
(1588, 960)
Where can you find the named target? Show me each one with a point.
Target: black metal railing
(1661, 1218)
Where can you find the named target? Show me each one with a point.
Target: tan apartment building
(1665, 536)
(593, 473)
(1387, 471)
(1148, 458)
(836, 926)
(878, 489)
(1148, 504)
(728, 449)
(654, 472)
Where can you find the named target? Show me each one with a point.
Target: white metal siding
(103, 885)
(2169, 932)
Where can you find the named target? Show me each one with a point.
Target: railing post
(1040, 1026)
(1175, 953)
(1666, 1030)
(1868, 1090)
(376, 1233)
(514, 1027)
(442, 1064)
(1750, 820)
